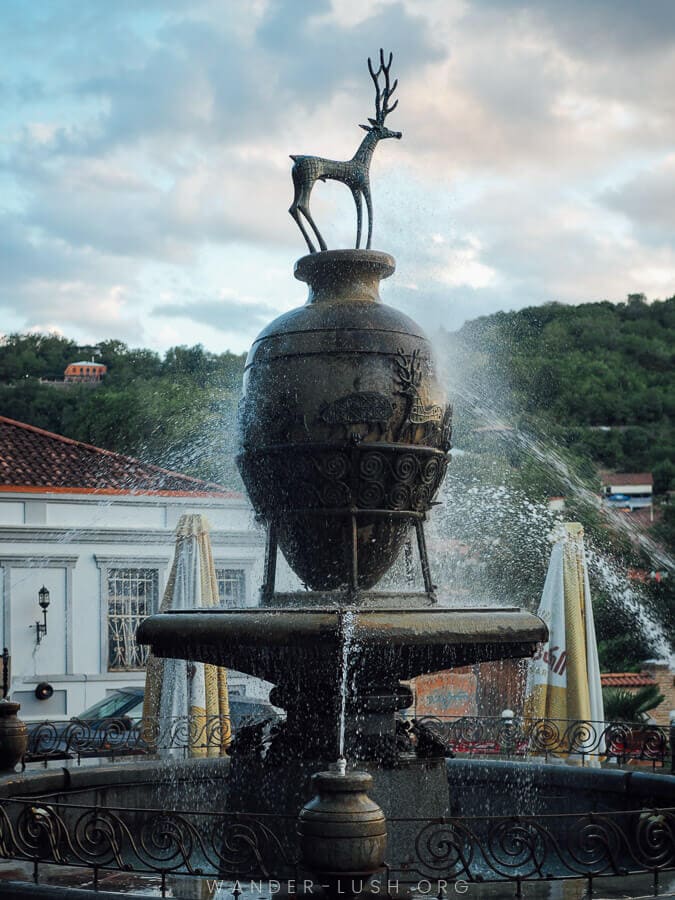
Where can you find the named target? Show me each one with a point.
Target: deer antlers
(382, 108)
(408, 370)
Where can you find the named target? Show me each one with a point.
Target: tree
(622, 705)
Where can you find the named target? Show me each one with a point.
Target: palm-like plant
(622, 705)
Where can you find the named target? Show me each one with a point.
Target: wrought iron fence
(618, 742)
(123, 737)
(144, 841)
(542, 847)
(229, 846)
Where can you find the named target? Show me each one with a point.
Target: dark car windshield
(119, 703)
(130, 703)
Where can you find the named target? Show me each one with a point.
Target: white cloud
(145, 166)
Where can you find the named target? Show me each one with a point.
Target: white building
(628, 490)
(97, 530)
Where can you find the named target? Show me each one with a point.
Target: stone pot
(344, 424)
(342, 831)
(13, 736)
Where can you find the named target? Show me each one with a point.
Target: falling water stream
(549, 458)
(347, 626)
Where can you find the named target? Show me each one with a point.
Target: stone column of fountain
(345, 435)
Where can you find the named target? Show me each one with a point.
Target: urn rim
(336, 264)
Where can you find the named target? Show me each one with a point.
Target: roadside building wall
(69, 542)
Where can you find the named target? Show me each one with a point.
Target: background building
(84, 372)
(97, 530)
(628, 490)
(87, 370)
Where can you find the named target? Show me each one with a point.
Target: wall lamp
(43, 600)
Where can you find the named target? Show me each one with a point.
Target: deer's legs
(369, 205)
(299, 197)
(356, 194)
(296, 215)
(304, 209)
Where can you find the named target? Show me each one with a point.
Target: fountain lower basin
(509, 820)
(300, 650)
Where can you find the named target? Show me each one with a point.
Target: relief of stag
(354, 172)
(366, 408)
(417, 412)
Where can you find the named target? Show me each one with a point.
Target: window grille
(231, 587)
(132, 595)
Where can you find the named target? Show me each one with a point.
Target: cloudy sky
(145, 178)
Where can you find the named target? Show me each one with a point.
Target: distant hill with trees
(597, 378)
(177, 410)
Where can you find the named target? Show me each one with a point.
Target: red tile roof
(626, 679)
(627, 478)
(32, 459)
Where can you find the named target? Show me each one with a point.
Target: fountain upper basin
(269, 643)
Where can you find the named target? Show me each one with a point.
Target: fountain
(345, 435)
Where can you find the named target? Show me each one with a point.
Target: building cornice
(33, 561)
(121, 498)
(146, 562)
(50, 535)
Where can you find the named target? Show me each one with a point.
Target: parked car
(114, 726)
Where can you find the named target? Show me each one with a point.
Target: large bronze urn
(345, 427)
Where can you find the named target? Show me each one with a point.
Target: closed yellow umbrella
(178, 689)
(564, 676)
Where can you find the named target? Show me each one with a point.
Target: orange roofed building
(96, 529)
(84, 371)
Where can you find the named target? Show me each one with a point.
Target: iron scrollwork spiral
(445, 847)
(620, 741)
(654, 839)
(596, 845)
(516, 846)
(366, 476)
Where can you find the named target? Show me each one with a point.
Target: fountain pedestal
(300, 651)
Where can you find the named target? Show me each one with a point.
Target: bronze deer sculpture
(354, 172)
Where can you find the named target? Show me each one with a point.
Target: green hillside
(177, 411)
(597, 378)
